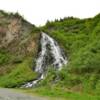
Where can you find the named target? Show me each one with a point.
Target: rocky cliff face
(18, 39)
(13, 29)
(16, 34)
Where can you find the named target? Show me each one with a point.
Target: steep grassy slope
(81, 42)
(18, 49)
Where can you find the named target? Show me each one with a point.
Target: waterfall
(50, 55)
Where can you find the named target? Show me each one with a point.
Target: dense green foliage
(20, 74)
(80, 40)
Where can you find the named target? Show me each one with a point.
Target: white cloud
(39, 11)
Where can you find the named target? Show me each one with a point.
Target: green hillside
(80, 39)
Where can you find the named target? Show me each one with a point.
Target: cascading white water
(55, 52)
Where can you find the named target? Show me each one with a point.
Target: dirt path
(8, 94)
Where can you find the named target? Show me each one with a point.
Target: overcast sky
(39, 11)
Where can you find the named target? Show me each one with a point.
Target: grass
(59, 93)
(21, 73)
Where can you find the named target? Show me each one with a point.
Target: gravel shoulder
(8, 94)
